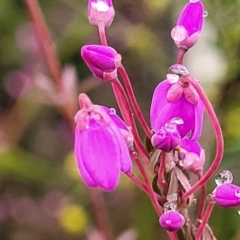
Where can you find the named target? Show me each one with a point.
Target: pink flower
(189, 25)
(227, 195)
(103, 61)
(167, 137)
(171, 220)
(193, 156)
(100, 147)
(173, 99)
(100, 10)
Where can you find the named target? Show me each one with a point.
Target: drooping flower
(103, 61)
(167, 137)
(100, 147)
(189, 25)
(100, 10)
(172, 220)
(174, 99)
(192, 156)
(227, 195)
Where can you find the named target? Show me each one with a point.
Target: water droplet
(112, 111)
(100, 6)
(178, 69)
(172, 78)
(179, 33)
(237, 193)
(223, 177)
(176, 120)
(193, 1)
(169, 206)
(168, 222)
(189, 134)
(238, 211)
(205, 14)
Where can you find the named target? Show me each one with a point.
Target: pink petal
(159, 99)
(101, 156)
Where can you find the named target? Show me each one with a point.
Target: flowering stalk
(218, 133)
(204, 221)
(45, 43)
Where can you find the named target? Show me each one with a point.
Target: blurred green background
(41, 194)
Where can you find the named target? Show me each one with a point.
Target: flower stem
(126, 111)
(181, 54)
(218, 133)
(102, 34)
(137, 181)
(99, 210)
(133, 101)
(204, 221)
(202, 200)
(45, 43)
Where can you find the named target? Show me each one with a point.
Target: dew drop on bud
(205, 14)
(179, 33)
(223, 177)
(169, 206)
(178, 69)
(112, 111)
(172, 78)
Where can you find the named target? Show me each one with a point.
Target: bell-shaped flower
(227, 195)
(100, 11)
(192, 156)
(167, 137)
(103, 61)
(189, 25)
(172, 220)
(173, 99)
(100, 147)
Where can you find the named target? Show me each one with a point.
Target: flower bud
(193, 156)
(171, 220)
(227, 195)
(166, 138)
(103, 61)
(100, 10)
(189, 25)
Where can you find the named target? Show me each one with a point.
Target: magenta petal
(191, 18)
(171, 220)
(190, 146)
(179, 109)
(159, 99)
(198, 113)
(227, 195)
(83, 172)
(101, 156)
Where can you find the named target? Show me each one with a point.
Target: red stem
(126, 111)
(202, 200)
(218, 133)
(181, 54)
(133, 101)
(99, 210)
(204, 221)
(46, 44)
(101, 31)
(137, 181)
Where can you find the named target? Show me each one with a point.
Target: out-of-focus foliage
(41, 194)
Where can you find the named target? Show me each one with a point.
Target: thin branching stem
(218, 133)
